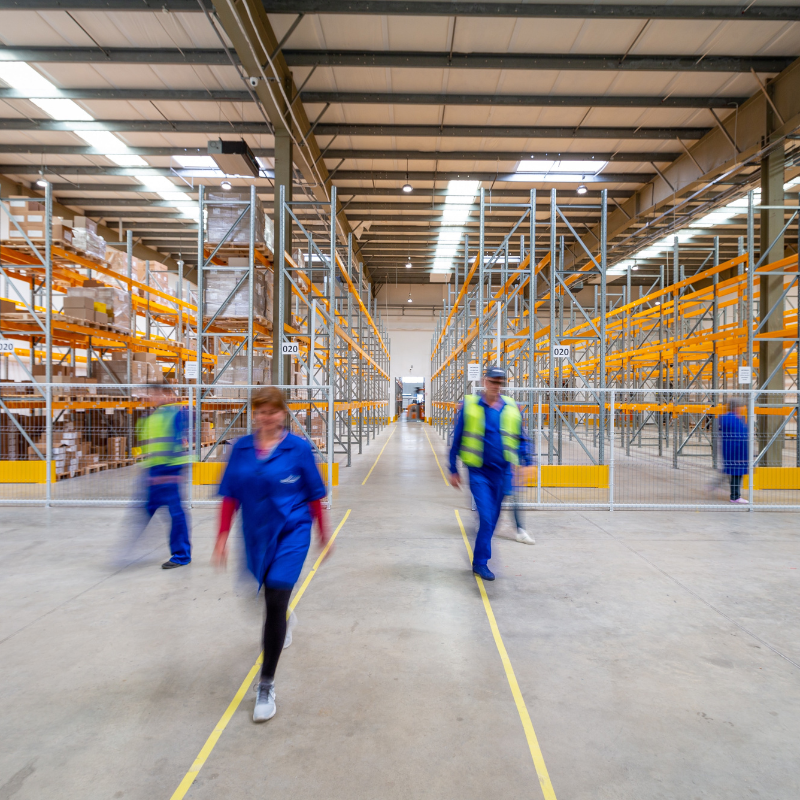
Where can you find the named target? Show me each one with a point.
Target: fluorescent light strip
(44, 94)
(457, 205)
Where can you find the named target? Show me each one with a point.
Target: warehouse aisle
(637, 685)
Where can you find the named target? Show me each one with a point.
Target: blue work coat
(733, 436)
(274, 494)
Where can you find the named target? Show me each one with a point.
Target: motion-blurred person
(514, 478)
(162, 439)
(488, 438)
(272, 475)
(733, 439)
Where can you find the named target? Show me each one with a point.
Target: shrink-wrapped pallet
(220, 283)
(223, 210)
(116, 301)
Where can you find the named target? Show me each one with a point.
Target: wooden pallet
(28, 318)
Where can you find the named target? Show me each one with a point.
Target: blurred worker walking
(272, 475)
(162, 439)
(733, 438)
(488, 438)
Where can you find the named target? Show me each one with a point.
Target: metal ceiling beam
(505, 131)
(234, 127)
(181, 6)
(520, 100)
(136, 126)
(384, 175)
(172, 95)
(405, 59)
(393, 155)
(397, 98)
(450, 8)
(534, 61)
(440, 8)
(117, 55)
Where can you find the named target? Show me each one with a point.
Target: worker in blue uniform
(162, 440)
(273, 477)
(489, 440)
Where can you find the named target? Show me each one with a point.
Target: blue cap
(495, 373)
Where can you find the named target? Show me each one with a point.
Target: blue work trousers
(169, 495)
(488, 490)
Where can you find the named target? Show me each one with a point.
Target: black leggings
(736, 486)
(274, 629)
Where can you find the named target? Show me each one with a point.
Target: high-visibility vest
(157, 438)
(471, 452)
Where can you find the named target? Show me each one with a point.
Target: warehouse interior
(368, 205)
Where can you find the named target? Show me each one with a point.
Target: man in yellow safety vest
(488, 438)
(162, 439)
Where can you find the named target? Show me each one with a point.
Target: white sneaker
(265, 702)
(524, 537)
(741, 501)
(290, 623)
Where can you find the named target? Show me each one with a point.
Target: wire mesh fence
(659, 448)
(78, 443)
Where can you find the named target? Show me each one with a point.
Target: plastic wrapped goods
(220, 284)
(90, 243)
(116, 301)
(223, 209)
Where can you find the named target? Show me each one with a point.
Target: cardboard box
(7, 307)
(151, 358)
(85, 223)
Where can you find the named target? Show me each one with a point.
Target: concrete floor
(658, 655)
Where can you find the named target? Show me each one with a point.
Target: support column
(770, 302)
(283, 177)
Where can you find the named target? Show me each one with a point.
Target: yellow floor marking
(527, 725)
(205, 752)
(444, 478)
(379, 455)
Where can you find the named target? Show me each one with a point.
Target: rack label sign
(745, 375)
(190, 371)
(562, 351)
(473, 372)
(6, 346)
(290, 349)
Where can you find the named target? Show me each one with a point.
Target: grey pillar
(283, 177)
(770, 354)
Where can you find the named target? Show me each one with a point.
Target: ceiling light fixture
(408, 264)
(407, 187)
(226, 185)
(409, 296)
(581, 189)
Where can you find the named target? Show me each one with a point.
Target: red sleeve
(318, 514)
(229, 508)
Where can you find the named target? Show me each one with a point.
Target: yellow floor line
(444, 477)
(527, 725)
(205, 752)
(379, 455)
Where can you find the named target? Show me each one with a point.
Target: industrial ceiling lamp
(409, 296)
(226, 186)
(408, 264)
(408, 187)
(41, 182)
(582, 189)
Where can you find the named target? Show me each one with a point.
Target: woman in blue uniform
(273, 477)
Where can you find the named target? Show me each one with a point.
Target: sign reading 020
(290, 349)
(561, 351)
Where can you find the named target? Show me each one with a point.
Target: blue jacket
(493, 460)
(733, 436)
(274, 494)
